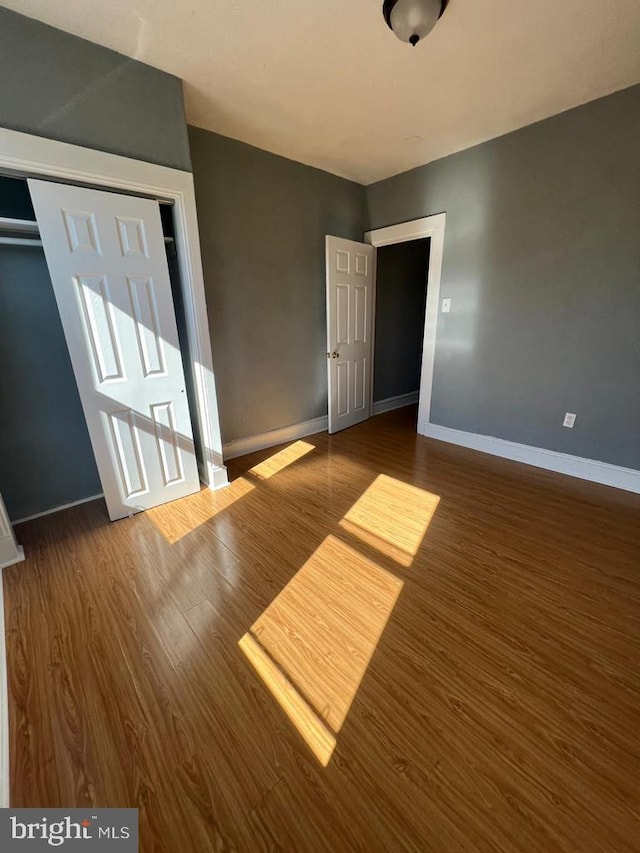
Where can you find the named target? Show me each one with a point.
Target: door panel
(342, 314)
(142, 293)
(126, 437)
(342, 389)
(362, 264)
(349, 318)
(359, 385)
(109, 270)
(167, 441)
(361, 310)
(98, 320)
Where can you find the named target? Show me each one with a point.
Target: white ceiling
(326, 83)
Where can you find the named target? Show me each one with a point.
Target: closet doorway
(113, 330)
(106, 257)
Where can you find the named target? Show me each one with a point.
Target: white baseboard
(552, 460)
(398, 402)
(57, 509)
(4, 712)
(242, 446)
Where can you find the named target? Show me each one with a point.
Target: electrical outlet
(446, 305)
(569, 420)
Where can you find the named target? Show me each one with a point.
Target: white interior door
(107, 261)
(349, 338)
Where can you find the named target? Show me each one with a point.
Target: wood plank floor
(370, 641)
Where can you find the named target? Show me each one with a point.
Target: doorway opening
(354, 321)
(401, 297)
(50, 461)
(36, 157)
(433, 228)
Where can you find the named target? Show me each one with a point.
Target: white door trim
(10, 551)
(35, 156)
(433, 227)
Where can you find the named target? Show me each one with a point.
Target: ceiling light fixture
(412, 20)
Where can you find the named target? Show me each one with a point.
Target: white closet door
(109, 270)
(349, 313)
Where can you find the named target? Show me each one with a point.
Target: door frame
(416, 229)
(26, 155)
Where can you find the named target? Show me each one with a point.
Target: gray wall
(542, 262)
(46, 458)
(63, 87)
(262, 221)
(401, 293)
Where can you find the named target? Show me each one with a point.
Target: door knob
(333, 354)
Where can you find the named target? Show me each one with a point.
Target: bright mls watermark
(34, 830)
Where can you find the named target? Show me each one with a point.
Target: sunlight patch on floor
(282, 459)
(392, 517)
(177, 519)
(321, 631)
(315, 733)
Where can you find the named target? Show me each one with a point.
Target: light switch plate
(446, 305)
(569, 420)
